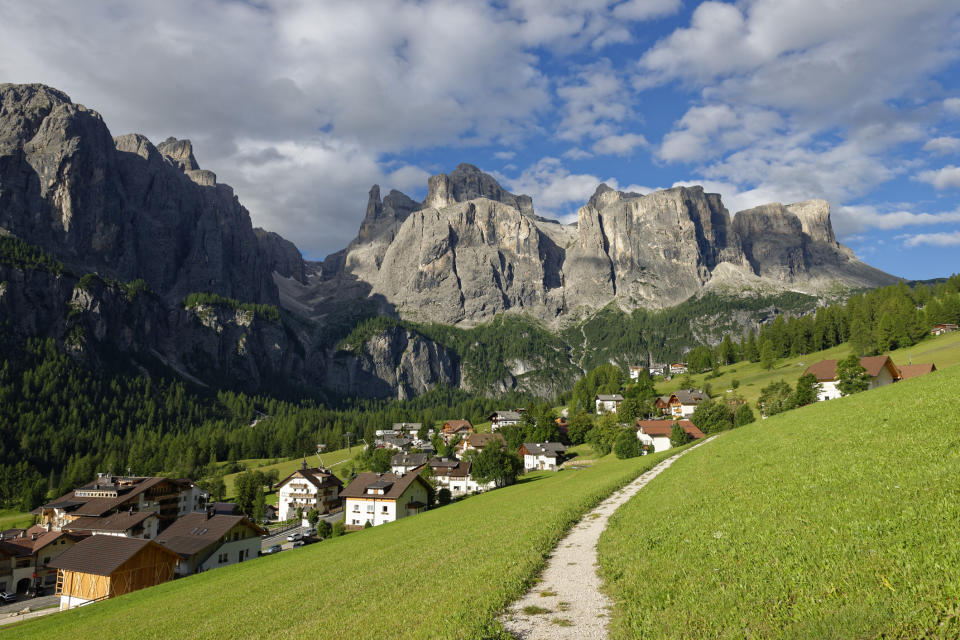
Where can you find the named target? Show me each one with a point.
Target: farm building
(103, 567)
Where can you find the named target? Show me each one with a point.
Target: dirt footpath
(568, 603)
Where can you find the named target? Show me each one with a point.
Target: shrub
(627, 445)
(443, 496)
(743, 415)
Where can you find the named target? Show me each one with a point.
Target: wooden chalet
(102, 567)
(453, 428)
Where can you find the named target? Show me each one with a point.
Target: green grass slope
(837, 520)
(443, 574)
(332, 459)
(943, 351)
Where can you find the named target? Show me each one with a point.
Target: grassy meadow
(944, 351)
(836, 520)
(13, 519)
(287, 467)
(446, 573)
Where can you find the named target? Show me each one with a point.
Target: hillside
(837, 520)
(446, 573)
(944, 351)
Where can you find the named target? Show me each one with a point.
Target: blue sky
(302, 106)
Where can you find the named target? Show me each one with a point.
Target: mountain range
(127, 210)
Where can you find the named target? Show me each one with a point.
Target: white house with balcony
(308, 489)
(608, 403)
(379, 498)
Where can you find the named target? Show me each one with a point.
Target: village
(119, 534)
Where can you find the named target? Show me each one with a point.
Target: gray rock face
(122, 208)
(467, 182)
(282, 256)
(474, 250)
(394, 363)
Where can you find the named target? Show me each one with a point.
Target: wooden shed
(103, 567)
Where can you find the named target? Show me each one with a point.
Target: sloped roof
(914, 370)
(115, 522)
(549, 449)
(91, 506)
(409, 459)
(660, 428)
(26, 545)
(102, 555)
(443, 463)
(609, 397)
(689, 396)
(400, 483)
(480, 440)
(505, 415)
(195, 532)
(826, 370)
(452, 426)
(315, 476)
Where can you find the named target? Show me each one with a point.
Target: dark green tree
(775, 398)
(768, 355)
(578, 428)
(807, 390)
(743, 415)
(678, 436)
(495, 464)
(851, 376)
(711, 416)
(627, 445)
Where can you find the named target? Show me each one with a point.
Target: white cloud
(852, 219)
(504, 155)
(576, 153)
(645, 9)
(595, 103)
(952, 106)
(555, 191)
(708, 131)
(619, 145)
(942, 239)
(942, 145)
(946, 178)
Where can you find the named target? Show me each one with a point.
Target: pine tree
(767, 355)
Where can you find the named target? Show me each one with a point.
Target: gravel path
(567, 602)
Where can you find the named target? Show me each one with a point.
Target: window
(384, 509)
(46, 560)
(23, 563)
(370, 508)
(356, 508)
(222, 558)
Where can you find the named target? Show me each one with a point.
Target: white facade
(659, 443)
(608, 404)
(539, 463)
(683, 410)
(377, 510)
(828, 391)
(192, 499)
(232, 553)
(72, 602)
(297, 491)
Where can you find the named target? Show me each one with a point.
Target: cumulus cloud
(941, 239)
(619, 145)
(952, 106)
(852, 219)
(945, 178)
(942, 145)
(339, 84)
(504, 155)
(594, 103)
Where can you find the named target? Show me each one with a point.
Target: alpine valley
(127, 254)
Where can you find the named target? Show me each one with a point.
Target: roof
(826, 370)
(114, 522)
(548, 449)
(124, 487)
(102, 555)
(689, 396)
(444, 463)
(914, 370)
(26, 544)
(407, 426)
(659, 428)
(409, 459)
(315, 476)
(609, 397)
(195, 532)
(480, 440)
(452, 426)
(505, 415)
(399, 484)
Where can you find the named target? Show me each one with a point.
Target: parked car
(293, 537)
(6, 596)
(299, 543)
(274, 549)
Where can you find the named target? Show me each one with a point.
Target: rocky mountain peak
(467, 182)
(180, 153)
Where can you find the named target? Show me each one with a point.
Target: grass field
(837, 520)
(944, 351)
(289, 466)
(446, 573)
(11, 518)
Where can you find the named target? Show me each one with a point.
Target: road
(281, 538)
(23, 602)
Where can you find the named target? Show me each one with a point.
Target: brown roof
(452, 426)
(914, 370)
(99, 506)
(659, 428)
(195, 532)
(462, 470)
(480, 440)
(27, 545)
(102, 555)
(314, 476)
(689, 396)
(116, 522)
(398, 484)
(826, 370)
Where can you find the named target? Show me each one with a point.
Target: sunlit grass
(837, 520)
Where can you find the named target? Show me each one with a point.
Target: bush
(324, 529)
(627, 445)
(338, 529)
(443, 496)
(711, 416)
(678, 437)
(743, 415)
